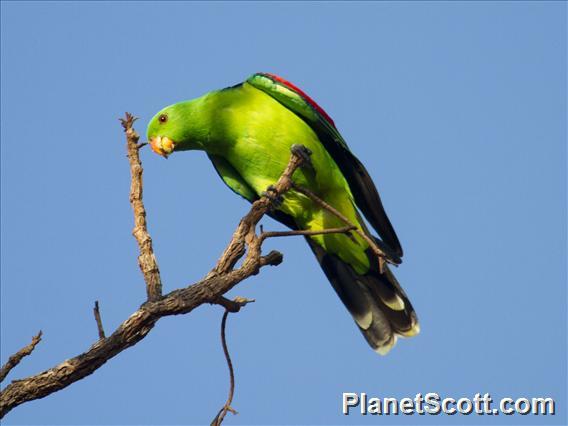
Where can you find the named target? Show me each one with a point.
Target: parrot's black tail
(376, 301)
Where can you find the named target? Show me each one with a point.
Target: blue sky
(457, 109)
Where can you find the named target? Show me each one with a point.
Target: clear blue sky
(458, 111)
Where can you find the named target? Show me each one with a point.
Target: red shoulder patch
(303, 94)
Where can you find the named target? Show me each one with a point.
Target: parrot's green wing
(238, 185)
(232, 178)
(363, 189)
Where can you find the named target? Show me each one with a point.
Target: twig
(272, 234)
(17, 357)
(98, 320)
(233, 305)
(239, 302)
(146, 259)
(274, 258)
(381, 256)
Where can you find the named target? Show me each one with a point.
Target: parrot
(247, 131)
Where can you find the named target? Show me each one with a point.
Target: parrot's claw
(272, 194)
(305, 154)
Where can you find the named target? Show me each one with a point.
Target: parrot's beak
(162, 145)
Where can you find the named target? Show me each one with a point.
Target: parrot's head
(168, 132)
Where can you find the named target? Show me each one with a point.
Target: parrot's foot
(271, 193)
(305, 154)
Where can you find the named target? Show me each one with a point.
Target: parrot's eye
(163, 118)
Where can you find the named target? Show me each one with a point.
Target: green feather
(232, 178)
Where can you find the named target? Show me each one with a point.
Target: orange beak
(162, 145)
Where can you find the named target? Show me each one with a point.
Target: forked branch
(245, 242)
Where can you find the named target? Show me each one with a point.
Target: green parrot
(247, 131)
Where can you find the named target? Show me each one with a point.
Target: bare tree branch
(222, 278)
(342, 230)
(146, 260)
(17, 357)
(219, 281)
(98, 320)
(232, 306)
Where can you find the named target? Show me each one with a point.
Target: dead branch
(342, 230)
(227, 407)
(146, 259)
(233, 306)
(222, 278)
(98, 320)
(17, 357)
